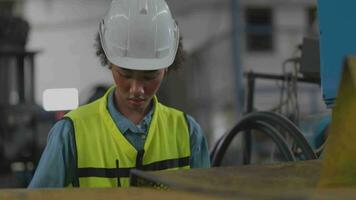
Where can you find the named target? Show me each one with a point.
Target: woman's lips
(136, 101)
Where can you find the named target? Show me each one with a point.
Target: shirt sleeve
(57, 164)
(198, 145)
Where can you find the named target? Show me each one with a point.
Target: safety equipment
(139, 34)
(105, 157)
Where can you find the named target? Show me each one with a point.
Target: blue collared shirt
(135, 134)
(57, 164)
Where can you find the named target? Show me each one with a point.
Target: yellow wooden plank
(270, 181)
(98, 194)
(339, 163)
(352, 68)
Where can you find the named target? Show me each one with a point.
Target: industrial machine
(19, 115)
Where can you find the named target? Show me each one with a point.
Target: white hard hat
(139, 34)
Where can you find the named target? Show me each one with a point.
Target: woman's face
(135, 88)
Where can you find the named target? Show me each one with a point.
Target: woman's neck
(135, 116)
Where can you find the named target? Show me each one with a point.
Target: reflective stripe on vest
(125, 172)
(105, 157)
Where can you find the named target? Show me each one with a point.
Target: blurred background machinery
(20, 116)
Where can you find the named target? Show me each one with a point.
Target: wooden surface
(276, 181)
(255, 181)
(147, 194)
(98, 194)
(339, 165)
(294, 180)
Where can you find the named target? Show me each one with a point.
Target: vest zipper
(118, 173)
(139, 165)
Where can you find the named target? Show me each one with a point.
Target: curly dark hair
(177, 63)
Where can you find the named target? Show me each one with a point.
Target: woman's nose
(137, 88)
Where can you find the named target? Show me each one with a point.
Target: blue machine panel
(337, 40)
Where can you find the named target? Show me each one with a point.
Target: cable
(257, 125)
(286, 125)
(270, 124)
(247, 124)
(288, 101)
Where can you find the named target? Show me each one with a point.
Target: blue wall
(337, 40)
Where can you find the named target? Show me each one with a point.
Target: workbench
(271, 181)
(291, 180)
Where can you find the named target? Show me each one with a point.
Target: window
(259, 29)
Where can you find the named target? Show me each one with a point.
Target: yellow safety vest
(105, 157)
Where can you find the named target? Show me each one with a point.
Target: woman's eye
(150, 77)
(127, 76)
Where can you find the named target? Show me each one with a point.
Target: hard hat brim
(142, 64)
